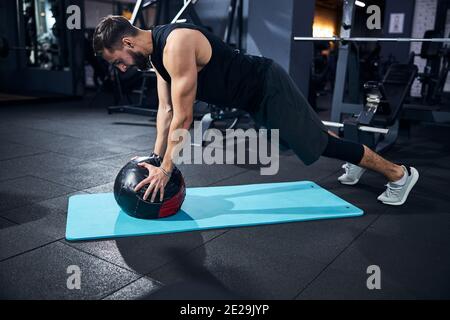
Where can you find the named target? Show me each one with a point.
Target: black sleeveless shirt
(229, 79)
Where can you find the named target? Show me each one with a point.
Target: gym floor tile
(11, 150)
(37, 165)
(5, 224)
(42, 274)
(137, 290)
(60, 203)
(30, 212)
(37, 224)
(27, 190)
(335, 284)
(37, 138)
(92, 151)
(18, 239)
(428, 195)
(143, 143)
(319, 240)
(146, 253)
(245, 270)
(193, 289)
(103, 188)
(426, 227)
(363, 195)
(418, 266)
(118, 161)
(80, 177)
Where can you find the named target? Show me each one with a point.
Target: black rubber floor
(51, 151)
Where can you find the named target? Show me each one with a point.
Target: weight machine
(365, 124)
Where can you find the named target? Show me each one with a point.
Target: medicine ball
(132, 202)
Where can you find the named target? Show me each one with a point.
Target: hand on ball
(157, 180)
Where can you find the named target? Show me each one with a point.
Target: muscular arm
(180, 61)
(164, 116)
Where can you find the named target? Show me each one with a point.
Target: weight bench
(377, 125)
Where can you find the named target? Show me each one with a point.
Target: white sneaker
(396, 195)
(352, 174)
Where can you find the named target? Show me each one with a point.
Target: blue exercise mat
(97, 216)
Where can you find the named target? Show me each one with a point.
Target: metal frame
(338, 107)
(137, 13)
(235, 6)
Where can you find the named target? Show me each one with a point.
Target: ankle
(397, 174)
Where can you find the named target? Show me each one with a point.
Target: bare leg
(333, 134)
(375, 162)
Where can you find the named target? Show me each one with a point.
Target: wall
(213, 13)
(424, 19)
(271, 28)
(95, 10)
(400, 51)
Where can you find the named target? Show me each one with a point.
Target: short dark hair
(110, 31)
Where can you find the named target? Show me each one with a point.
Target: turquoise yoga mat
(97, 216)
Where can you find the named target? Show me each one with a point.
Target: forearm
(163, 120)
(181, 122)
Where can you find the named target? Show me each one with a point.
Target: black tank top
(229, 79)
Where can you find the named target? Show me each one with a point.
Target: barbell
(5, 48)
(371, 39)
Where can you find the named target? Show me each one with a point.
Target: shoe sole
(353, 182)
(411, 185)
(350, 183)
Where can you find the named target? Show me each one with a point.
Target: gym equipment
(341, 108)
(434, 75)
(133, 203)
(187, 3)
(97, 216)
(231, 116)
(235, 9)
(149, 76)
(41, 49)
(5, 48)
(142, 106)
(377, 124)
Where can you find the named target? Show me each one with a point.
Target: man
(191, 63)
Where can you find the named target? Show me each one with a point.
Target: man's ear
(127, 42)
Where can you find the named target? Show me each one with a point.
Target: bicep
(180, 61)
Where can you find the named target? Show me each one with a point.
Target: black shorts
(284, 107)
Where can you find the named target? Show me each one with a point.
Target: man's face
(127, 57)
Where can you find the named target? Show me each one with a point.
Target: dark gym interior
(69, 121)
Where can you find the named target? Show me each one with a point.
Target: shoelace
(393, 190)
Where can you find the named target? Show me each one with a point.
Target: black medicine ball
(132, 202)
